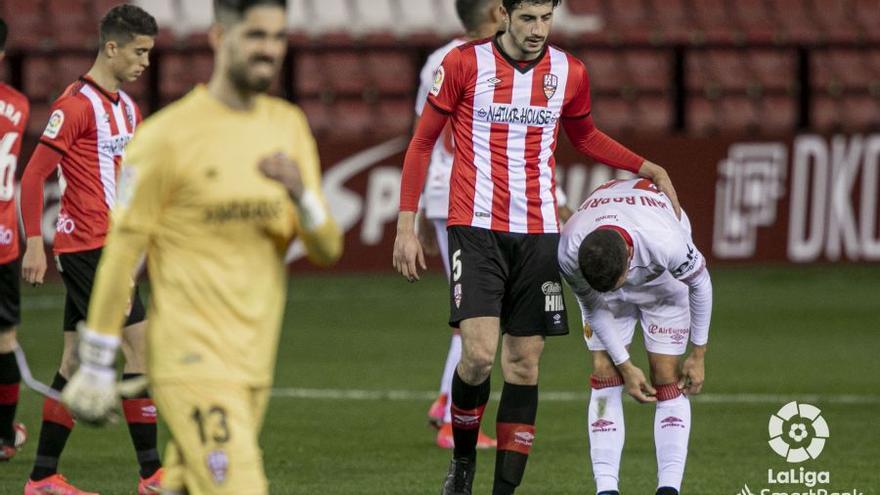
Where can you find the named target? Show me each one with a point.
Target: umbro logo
(602, 423)
(524, 437)
(493, 82)
(465, 421)
(671, 422)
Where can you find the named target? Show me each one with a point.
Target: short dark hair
(123, 22)
(4, 31)
(511, 5)
(472, 13)
(603, 258)
(224, 9)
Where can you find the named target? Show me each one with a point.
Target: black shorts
(514, 277)
(10, 295)
(78, 272)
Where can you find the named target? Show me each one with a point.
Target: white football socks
(452, 360)
(672, 427)
(605, 425)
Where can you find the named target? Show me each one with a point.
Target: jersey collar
(514, 63)
(113, 97)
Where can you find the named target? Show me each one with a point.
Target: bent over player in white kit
(629, 259)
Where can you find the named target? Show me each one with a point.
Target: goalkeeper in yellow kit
(213, 190)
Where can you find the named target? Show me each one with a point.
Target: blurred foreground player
(214, 188)
(481, 19)
(89, 127)
(629, 259)
(14, 111)
(505, 97)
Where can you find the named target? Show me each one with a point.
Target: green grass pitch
(778, 334)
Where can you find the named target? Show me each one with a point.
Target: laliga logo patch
(218, 465)
(56, 120)
(798, 432)
(551, 82)
(456, 294)
(439, 76)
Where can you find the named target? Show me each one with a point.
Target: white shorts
(663, 309)
(442, 242)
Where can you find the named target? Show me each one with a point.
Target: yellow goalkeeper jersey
(214, 231)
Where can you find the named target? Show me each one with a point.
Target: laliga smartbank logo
(798, 433)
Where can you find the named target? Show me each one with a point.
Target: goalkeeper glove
(91, 394)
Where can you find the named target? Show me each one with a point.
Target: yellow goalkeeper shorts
(215, 429)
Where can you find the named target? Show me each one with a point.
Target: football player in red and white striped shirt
(14, 111)
(90, 124)
(505, 97)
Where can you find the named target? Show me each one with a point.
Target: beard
(246, 82)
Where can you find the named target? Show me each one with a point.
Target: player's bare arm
(407, 248)
(635, 382)
(33, 264)
(660, 178)
(693, 371)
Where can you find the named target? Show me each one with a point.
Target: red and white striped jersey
(14, 111)
(505, 117)
(90, 127)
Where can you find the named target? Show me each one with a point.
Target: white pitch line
(562, 396)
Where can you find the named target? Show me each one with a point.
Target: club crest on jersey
(439, 76)
(56, 120)
(551, 82)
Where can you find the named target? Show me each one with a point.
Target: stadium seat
(613, 114)
(826, 114)
(737, 114)
(401, 80)
(868, 13)
(28, 28)
(714, 70)
(606, 69)
(353, 118)
(181, 71)
(674, 19)
(653, 114)
(72, 23)
(395, 116)
(39, 77)
(861, 113)
(308, 74)
(344, 71)
(755, 20)
(796, 20)
(712, 19)
(838, 21)
(777, 114)
(850, 69)
(702, 115)
(69, 68)
(318, 115)
(650, 69)
(773, 69)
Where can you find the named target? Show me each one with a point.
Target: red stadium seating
(39, 77)
(391, 72)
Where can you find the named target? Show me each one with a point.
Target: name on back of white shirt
(632, 200)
